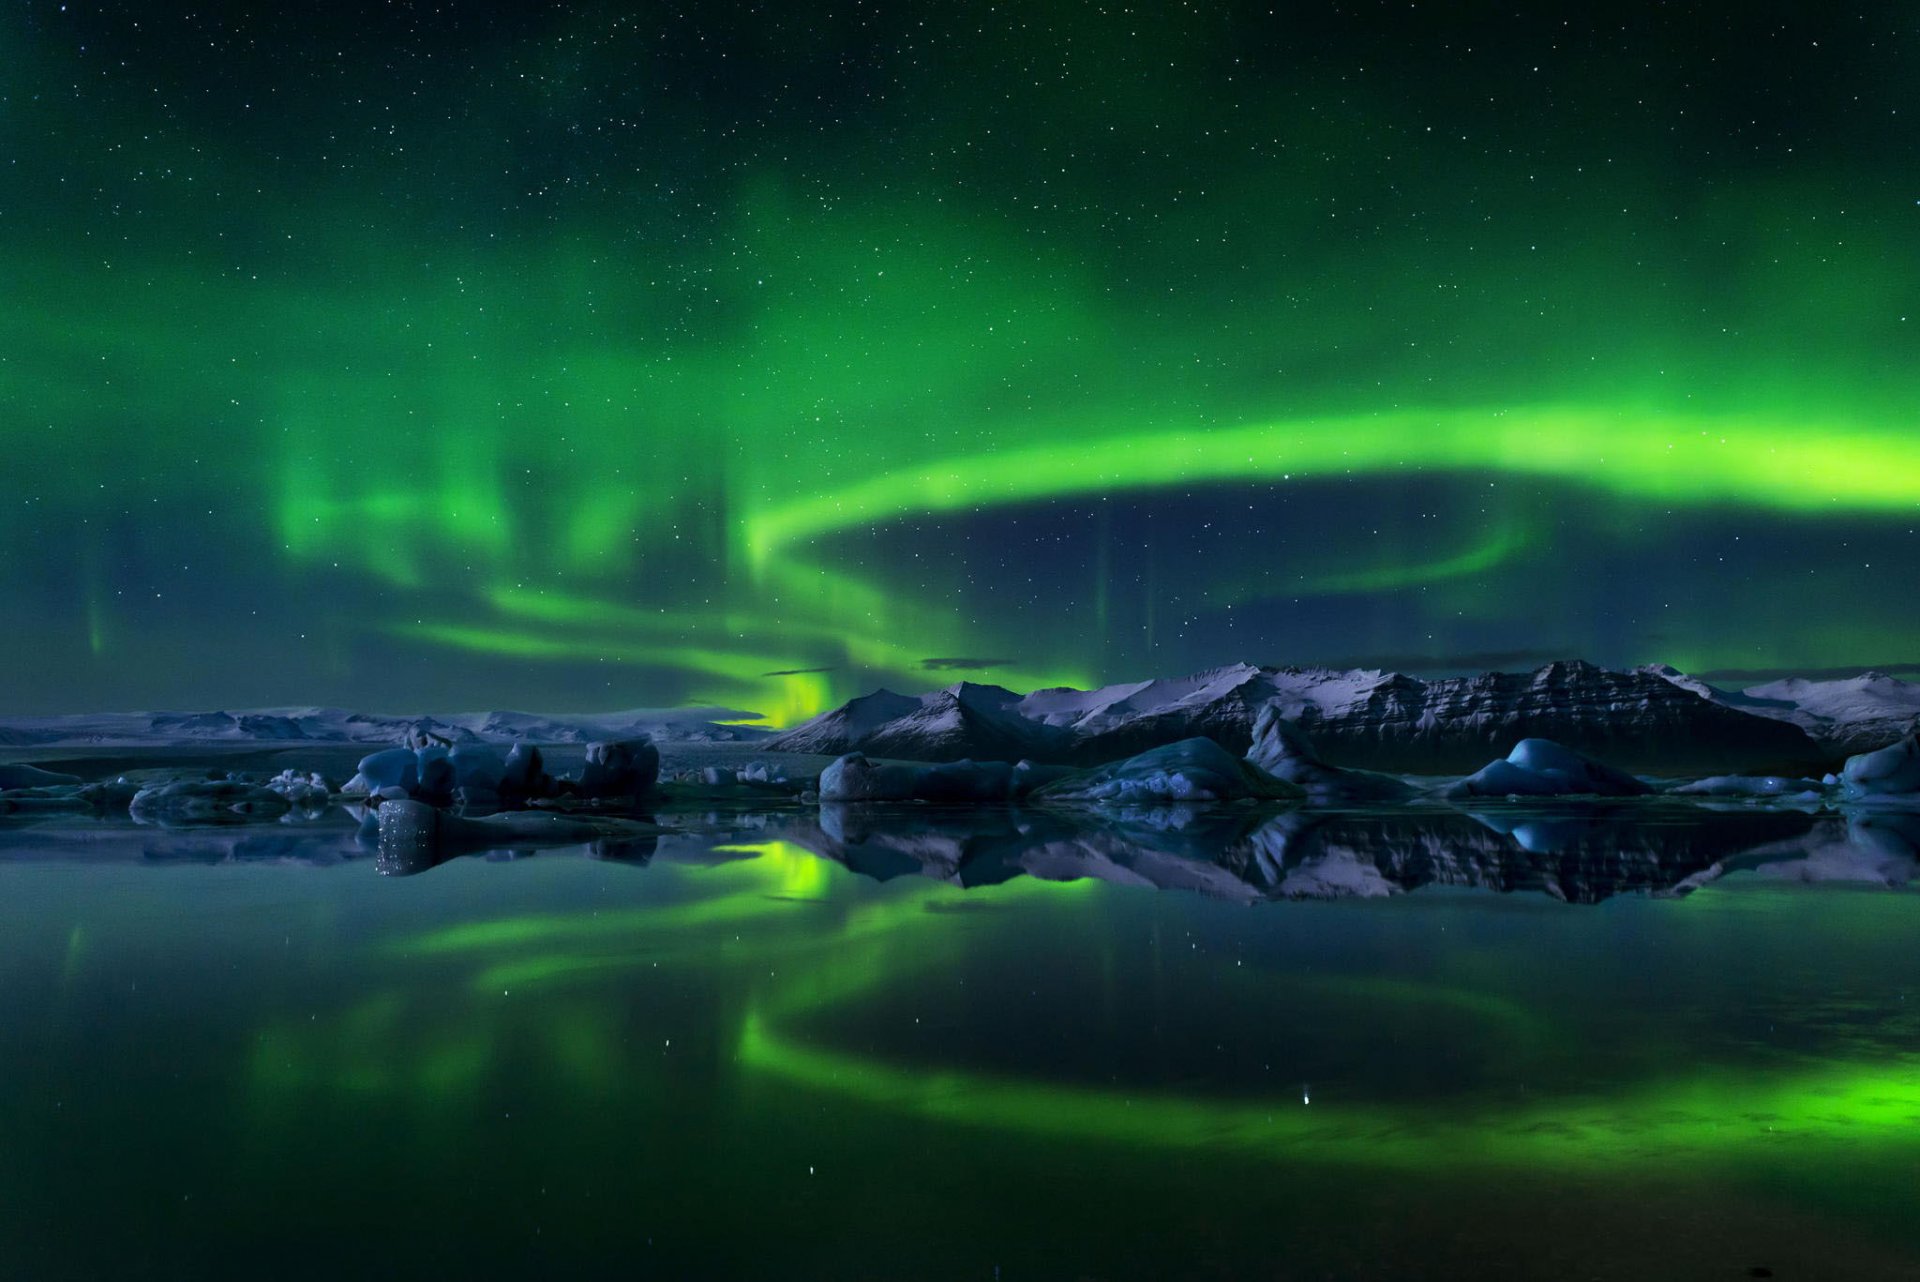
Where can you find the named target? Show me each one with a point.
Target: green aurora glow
(467, 366)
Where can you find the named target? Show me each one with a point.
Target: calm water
(850, 1046)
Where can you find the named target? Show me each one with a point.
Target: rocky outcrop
(1284, 751)
(1635, 720)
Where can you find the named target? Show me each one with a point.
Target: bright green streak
(382, 399)
(1797, 467)
(1711, 1117)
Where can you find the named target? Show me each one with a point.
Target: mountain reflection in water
(1577, 852)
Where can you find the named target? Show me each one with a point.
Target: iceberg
(1891, 771)
(206, 801)
(12, 777)
(624, 769)
(1189, 771)
(524, 776)
(1750, 786)
(306, 791)
(392, 768)
(1543, 768)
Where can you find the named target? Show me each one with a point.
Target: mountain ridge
(1654, 717)
(1651, 718)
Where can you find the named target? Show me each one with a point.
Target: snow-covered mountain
(1639, 720)
(338, 725)
(1651, 719)
(1845, 716)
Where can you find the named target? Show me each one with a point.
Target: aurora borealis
(586, 356)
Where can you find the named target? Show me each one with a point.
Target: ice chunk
(855, 778)
(206, 801)
(525, 776)
(620, 770)
(1750, 786)
(307, 791)
(435, 777)
(1191, 770)
(12, 777)
(1543, 768)
(477, 766)
(391, 768)
(1892, 770)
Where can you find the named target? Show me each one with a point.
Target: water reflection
(956, 1002)
(1579, 853)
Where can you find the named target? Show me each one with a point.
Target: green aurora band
(317, 388)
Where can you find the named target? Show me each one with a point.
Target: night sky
(577, 356)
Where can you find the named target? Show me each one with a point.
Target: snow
(1849, 709)
(869, 712)
(1323, 689)
(1869, 697)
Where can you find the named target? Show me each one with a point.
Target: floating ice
(1543, 768)
(1191, 770)
(12, 777)
(391, 768)
(1892, 770)
(1750, 786)
(207, 801)
(622, 769)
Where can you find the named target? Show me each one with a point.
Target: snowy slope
(1854, 714)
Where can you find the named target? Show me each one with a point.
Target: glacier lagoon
(1628, 1039)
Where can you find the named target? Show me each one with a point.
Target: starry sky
(576, 356)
